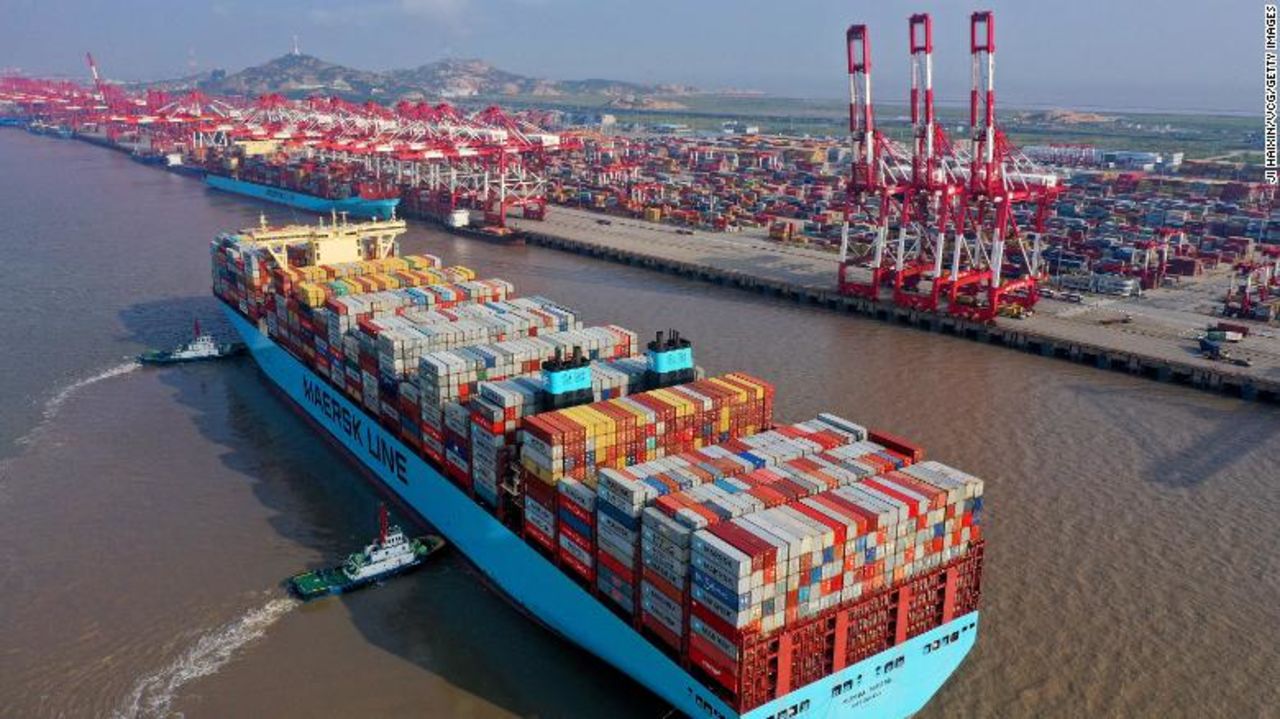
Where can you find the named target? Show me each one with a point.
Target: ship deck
(895, 683)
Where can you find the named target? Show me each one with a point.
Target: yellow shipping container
(759, 391)
(590, 423)
(606, 428)
(597, 425)
(543, 474)
(740, 394)
(419, 262)
(310, 294)
(642, 417)
(570, 416)
(683, 405)
(573, 417)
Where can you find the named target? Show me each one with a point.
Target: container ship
(655, 516)
(323, 188)
(444, 207)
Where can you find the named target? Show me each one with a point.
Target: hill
(297, 75)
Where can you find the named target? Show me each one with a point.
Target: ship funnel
(670, 361)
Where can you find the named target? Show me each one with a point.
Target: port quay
(1159, 249)
(1157, 342)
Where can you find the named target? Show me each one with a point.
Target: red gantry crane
(438, 157)
(1001, 178)
(952, 213)
(878, 179)
(1253, 283)
(918, 201)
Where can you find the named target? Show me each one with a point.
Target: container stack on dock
(790, 186)
(760, 557)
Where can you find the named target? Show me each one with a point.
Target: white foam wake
(51, 407)
(55, 402)
(153, 695)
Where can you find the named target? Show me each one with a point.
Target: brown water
(147, 516)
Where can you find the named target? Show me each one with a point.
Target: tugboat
(391, 554)
(202, 347)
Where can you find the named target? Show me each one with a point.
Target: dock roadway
(1158, 342)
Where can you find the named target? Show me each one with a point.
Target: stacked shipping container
(499, 410)
(624, 493)
(570, 445)
(575, 441)
(761, 557)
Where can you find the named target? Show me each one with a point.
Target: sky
(1106, 54)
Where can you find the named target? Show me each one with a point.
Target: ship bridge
(336, 242)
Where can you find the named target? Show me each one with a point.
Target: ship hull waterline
(895, 683)
(353, 206)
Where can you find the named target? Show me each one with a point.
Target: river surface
(147, 516)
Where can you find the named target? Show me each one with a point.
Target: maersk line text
(353, 425)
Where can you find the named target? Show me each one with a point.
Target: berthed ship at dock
(312, 187)
(661, 519)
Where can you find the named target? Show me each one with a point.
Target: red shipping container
(704, 655)
(892, 441)
(624, 573)
(666, 635)
(576, 565)
(536, 535)
(578, 540)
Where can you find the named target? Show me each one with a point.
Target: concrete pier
(1158, 341)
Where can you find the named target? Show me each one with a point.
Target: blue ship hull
(353, 206)
(895, 683)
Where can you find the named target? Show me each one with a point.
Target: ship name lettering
(386, 453)
(352, 425)
(347, 420)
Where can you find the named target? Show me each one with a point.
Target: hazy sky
(1100, 53)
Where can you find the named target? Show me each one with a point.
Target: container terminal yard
(1125, 269)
